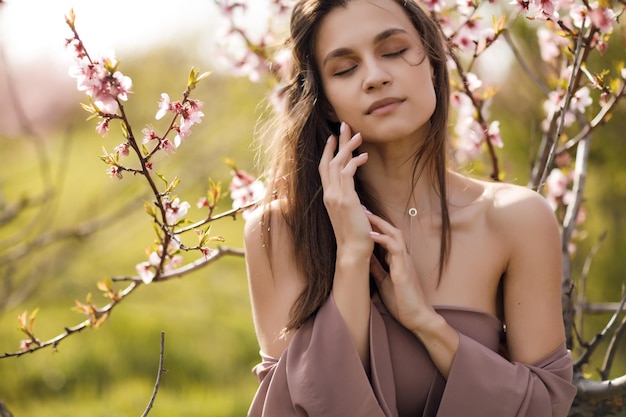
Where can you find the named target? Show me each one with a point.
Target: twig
(158, 379)
(582, 282)
(4, 411)
(611, 350)
(599, 308)
(190, 267)
(135, 282)
(599, 337)
(580, 176)
(596, 121)
(540, 174)
(522, 62)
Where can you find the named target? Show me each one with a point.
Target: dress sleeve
(320, 373)
(483, 383)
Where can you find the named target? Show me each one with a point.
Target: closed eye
(396, 53)
(344, 72)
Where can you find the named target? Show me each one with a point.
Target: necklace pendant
(412, 212)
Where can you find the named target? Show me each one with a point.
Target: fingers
(385, 234)
(339, 167)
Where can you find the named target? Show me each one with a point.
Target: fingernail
(365, 209)
(342, 127)
(373, 233)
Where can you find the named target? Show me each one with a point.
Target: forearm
(440, 340)
(352, 296)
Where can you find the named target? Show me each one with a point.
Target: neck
(388, 176)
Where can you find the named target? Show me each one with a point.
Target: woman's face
(374, 71)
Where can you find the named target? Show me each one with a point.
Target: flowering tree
(578, 99)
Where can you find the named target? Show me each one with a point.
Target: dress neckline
(493, 317)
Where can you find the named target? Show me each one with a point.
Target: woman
(380, 281)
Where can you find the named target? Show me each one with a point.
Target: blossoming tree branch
(106, 89)
(580, 96)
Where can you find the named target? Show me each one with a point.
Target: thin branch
(578, 189)
(523, 64)
(582, 282)
(544, 167)
(135, 282)
(79, 231)
(4, 411)
(599, 337)
(158, 379)
(599, 389)
(599, 308)
(611, 350)
(596, 121)
(229, 213)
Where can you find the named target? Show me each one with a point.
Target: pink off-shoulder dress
(320, 373)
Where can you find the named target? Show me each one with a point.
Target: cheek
(340, 104)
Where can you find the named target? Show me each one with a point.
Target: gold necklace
(412, 212)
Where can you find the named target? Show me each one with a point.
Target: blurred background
(72, 225)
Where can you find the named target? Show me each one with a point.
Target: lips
(380, 104)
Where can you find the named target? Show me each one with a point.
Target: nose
(376, 75)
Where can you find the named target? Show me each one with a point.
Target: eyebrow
(385, 34)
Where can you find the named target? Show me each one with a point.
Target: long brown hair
(296, 146)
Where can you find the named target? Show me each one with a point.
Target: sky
(34, 62)
(32, 30)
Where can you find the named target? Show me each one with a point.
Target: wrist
(430, 324)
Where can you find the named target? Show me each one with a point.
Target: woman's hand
(400, 288)
(352, 229)
(351, 226)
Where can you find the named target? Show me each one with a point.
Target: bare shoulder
(532, 280)
(520, 213)
(273, 277)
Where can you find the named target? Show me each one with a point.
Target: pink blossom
(95, 79)
(579, 15)
(554, 104)
(562, 160)
(470, 137)
(434, 5)
(581, 100)
(76, 47)
(164, 106)
(473, 82)
(556, 187)
(538, 9)
(493, 134)
(26, 344)
(148, 134)
(467, 37)
(145, 271)
(245, 189)
(202, 202)
(175, 211)
(122, 149)
(115, 172)
(103, 127)
(550, 44)
(168, 146)
(603, 18)
(465, 7)
(154, 258)
(282, 63)
(174, 262)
